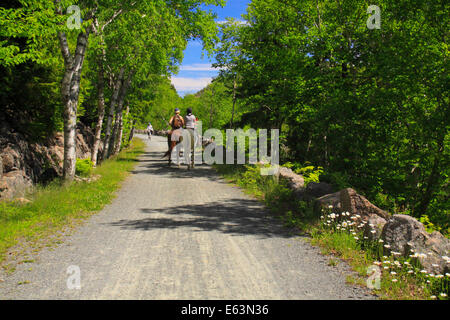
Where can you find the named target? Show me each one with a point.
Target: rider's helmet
(177, 110)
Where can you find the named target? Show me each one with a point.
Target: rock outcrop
(357, 204)
(318, 189)
(408, 237)
(295, 181)
(374, 227)
(328, 201)
(23, 164)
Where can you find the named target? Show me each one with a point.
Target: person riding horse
(175, 136)
(190, 121)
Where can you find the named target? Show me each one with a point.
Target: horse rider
(177, 121)
(177, 124)
(190, 121)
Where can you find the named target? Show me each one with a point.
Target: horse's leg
(177, 151)
(169, 144)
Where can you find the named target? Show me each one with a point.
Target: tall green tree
(370, 105)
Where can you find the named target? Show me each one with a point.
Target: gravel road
(178, 234)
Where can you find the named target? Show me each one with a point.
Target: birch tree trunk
(101, 109)
(112, 111)
(118, 142)
(118, 127)
(70, 89)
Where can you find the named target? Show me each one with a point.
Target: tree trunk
(118, 143)
(112, 110)
(118, 126)
(129, 138)
(70, 89)
(432, 182)
(101, 110)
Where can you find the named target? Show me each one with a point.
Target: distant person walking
(150, 131)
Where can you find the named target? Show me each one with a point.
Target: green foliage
(214, 105)
(84, 167)
(369, 106)
(310, 173)
(429, 226)
(339, 180)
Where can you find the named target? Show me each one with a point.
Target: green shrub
(429, 226)
(310, 173)
(84, 167)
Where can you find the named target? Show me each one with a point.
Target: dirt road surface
(178, 234)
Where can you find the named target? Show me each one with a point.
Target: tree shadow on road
(152, 164)
(234, 216)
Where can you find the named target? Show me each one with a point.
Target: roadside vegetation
(57, 207)
(338, 235)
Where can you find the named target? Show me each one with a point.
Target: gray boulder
(14, 184)
(374, 227)
(317, 190)
(357, 204)
(324, 202)
(295, 181)
(407, 236)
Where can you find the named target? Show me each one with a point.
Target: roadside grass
(58, 207)
(400, 279)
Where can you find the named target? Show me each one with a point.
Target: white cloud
(238, 22)
(198, 67)
(190, 84)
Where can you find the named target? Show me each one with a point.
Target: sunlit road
(178, 234)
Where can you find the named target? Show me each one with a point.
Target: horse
(172, 143)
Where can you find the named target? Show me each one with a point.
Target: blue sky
(196, 72)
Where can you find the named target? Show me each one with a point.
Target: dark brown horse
(172, 143)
